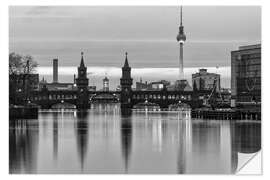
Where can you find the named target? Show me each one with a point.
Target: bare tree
(29, 65)
(21, 64)
(15, 63)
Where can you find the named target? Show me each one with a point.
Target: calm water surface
(102, 140)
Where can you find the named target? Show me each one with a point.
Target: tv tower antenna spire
(181, 38)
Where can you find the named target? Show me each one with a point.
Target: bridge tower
(126, 83)
(82, 86)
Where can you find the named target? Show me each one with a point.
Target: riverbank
(226, 114)
(23, 112)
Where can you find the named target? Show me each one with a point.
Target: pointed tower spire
(126, 61)
(181, 16)
(82, 62)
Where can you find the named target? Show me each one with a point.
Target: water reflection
(55, 135)
(106, 139)
(245, 140)
(126, 136)
(248, 136)
(23, 146)
(82, 135)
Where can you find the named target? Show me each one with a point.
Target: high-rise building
(246, 75)
(105, 84)
(181, 38)
(55, 70)
(204, 80)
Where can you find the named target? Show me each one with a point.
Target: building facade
(155, 85)
(141, 86)
(57, 86)
(204, 80)
(159, 85)
(106, 84)
(246, 75)
(180, 85)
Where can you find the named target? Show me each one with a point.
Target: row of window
(244, 68)
(53, 97)
(251, 56)
(249, 98)
(158, 96)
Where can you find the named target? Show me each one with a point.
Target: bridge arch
(63, 105)
(179, 106)
(104, 97)
(146, 105)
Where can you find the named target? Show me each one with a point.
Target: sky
(147, 33)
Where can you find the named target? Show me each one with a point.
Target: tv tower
(181, 38)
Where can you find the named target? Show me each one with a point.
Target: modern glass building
(246, 75)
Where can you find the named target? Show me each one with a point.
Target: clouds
(227, 23)
(137, 72)
(148, 33)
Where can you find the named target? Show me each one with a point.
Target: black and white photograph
(168, 89)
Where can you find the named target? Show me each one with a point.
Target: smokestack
(55, 70)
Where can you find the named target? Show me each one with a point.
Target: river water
(102, 140)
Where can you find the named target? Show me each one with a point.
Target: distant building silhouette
(205, 80)
(56, 86)
(55, 70)
(141, 85)
(180, 85)
(155, 85)
(158, 85)
(105, 84)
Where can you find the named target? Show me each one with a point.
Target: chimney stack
(55, 70)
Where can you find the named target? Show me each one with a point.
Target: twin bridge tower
(82, 86)
(81, 96)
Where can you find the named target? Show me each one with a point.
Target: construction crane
(212, 100)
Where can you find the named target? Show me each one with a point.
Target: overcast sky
(148, 33)
(202, 23)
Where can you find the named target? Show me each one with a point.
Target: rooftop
(249, 47)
